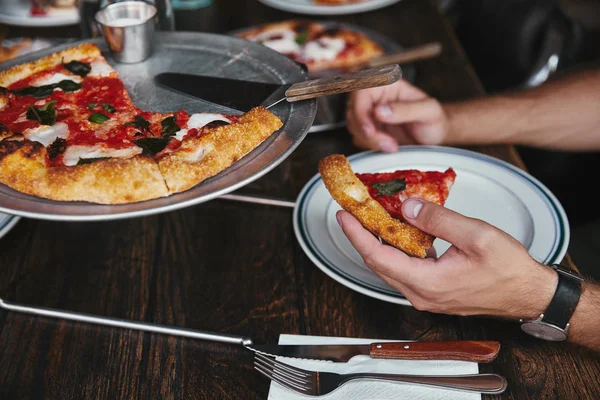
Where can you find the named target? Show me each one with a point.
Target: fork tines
(291, 377)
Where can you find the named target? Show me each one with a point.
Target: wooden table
(234, 268)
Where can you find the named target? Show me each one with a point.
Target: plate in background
(17, 12)
(485, 188)
(312, 8)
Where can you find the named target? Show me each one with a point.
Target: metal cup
(128, 28)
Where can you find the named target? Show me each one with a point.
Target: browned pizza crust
(353, 196)
(200, 158)
(22, 71)
(113, 181)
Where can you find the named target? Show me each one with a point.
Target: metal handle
(481, 383)
(121, 323)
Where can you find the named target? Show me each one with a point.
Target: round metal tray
(185, 52)
(331, 110)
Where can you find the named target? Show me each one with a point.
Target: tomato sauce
(392, 203)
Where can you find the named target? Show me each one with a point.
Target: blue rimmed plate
(485, 188)
(6, 223)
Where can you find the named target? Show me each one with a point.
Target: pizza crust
(353, 196)
(22, 71)
(113, 181)
(203, 157)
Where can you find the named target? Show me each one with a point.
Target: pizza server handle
(412, 54)
(367, 78)
(121, 323)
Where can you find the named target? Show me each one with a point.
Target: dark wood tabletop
(235, 268)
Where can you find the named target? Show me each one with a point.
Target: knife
(244, 95)
(474, 351)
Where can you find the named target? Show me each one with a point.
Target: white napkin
(371, 390)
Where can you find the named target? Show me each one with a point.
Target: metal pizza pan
(185, 52)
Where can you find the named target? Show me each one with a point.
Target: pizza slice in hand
(376, 199)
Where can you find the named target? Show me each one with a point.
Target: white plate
(17, 13)
(309, 7)
(485, 188)
(7, 222)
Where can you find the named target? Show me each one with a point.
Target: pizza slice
(316, 46)
(69, 131)
(375, 199)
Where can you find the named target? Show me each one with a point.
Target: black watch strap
(565, 300)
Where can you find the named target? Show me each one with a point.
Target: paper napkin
(371, 390)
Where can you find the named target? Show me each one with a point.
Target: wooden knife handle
(409, 55)
(475, 351)
(368, 78)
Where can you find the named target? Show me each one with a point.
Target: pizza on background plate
(69, 131)
(318, 47)
(375, 199)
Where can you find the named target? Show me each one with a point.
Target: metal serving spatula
(244, 95)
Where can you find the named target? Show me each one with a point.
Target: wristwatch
(553, 324)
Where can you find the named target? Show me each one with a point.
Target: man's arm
(585, 326)
(563, 114)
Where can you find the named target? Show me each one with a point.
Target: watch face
(544, 331)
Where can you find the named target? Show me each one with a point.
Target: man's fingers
(424, 110)
(465, 233)
(369, 137)
(383, 259)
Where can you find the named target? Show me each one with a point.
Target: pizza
(375, 199)
(318, 47)
(69, 131)
(41, 8)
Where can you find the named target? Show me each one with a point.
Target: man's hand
(381, 118)
(485, 272)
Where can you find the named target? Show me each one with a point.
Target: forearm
(563, 114)
(585, 323)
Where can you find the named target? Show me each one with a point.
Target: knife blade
(244, 95)
(474, 351)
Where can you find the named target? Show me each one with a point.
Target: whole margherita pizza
(316, 46)
(376, 199)
(69, 131)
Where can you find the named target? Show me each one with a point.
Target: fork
(314, 383)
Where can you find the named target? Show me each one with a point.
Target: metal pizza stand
(194, 53)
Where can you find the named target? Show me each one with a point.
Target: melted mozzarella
(286, 44)
(198, 121)
(325, 49)
(74, 153)
(55, 78)
(100, 68)
(357, 193)
(45, 134)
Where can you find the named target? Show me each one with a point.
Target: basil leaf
(98, 118)
(36, 91)
(153, 145)
(108, 108)
(3, 90)
(83, 161)
(56, 148)
(46, 90)
(139, 122)
(91, 106)
(78, 68)
(169, 127)
(46, 115)
(391, 187)
(68, 86)
(302, 37)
